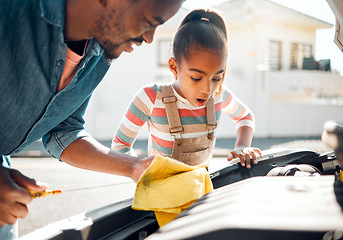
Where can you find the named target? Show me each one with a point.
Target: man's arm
(87, 153)
(69, 142)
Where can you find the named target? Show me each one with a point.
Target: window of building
(299, 53)
(275, 56)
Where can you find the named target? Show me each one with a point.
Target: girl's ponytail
(202, 28)
(206, 15)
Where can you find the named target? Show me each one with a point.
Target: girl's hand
(245, 154)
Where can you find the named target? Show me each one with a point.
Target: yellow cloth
(168, 186)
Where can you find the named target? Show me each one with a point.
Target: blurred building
(271, 68)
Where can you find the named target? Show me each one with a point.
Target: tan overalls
(192, 151)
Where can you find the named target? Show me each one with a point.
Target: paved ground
(62, 176)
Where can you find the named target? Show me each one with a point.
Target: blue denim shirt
(32, 56)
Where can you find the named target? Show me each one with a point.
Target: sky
(325, 48)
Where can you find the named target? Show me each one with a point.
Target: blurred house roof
(250, 10)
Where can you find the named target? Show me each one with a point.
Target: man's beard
(103, 25)
(110, 46)
(110, 49)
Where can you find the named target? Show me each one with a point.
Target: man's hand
(140, 167)
(14, 197)
(245, 154)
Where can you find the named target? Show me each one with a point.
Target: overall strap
(211, 117)
(169, 99)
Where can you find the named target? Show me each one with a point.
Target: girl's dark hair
(203, 29)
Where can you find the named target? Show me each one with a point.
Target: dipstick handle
(44, 193)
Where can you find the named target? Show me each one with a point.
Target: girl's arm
(244, 121)
(132, 122)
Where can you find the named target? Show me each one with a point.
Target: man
(53, 55)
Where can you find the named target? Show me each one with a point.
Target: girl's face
(200, 75)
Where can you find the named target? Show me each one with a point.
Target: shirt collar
(53, 11)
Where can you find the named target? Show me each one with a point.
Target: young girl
(182, 116)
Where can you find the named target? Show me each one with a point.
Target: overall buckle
(177, 130)
(170, 99)
(210, 128)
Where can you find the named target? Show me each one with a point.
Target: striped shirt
(147, 107)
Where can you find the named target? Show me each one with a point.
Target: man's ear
(173, 66)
